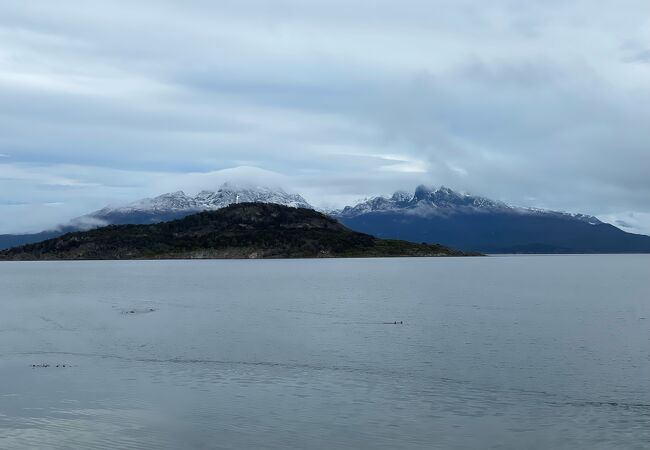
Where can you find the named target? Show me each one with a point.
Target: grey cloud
(638, 56)
(525, 102)
(642, 56)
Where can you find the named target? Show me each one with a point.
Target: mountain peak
(401, 196)
(423, 190)
(446, 190)
(435, 195)
(177, 204)
(423, 199)
(444, 200)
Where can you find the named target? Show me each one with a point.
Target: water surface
(511, 352)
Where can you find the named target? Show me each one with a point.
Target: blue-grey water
(517, 352)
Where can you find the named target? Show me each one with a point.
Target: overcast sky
(536, 103)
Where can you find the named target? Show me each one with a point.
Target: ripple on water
(296, 355)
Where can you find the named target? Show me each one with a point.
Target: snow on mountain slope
(178, 204)
(423, 198)
(480, 224)
(426, 200)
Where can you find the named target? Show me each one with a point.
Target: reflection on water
(504, 352)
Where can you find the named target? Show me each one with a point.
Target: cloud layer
(541, 104)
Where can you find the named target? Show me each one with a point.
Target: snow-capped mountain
(426, 200)
(423, 198)
(229, 194)
(226, 195)
(477, 223)
(439, 215)
(178, 204)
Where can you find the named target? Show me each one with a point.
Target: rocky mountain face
(243, 230)
(423, 198)
(444, 201)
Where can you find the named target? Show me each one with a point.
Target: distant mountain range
(243, 230)
(467, 222)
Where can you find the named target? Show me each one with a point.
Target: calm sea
(506, 352)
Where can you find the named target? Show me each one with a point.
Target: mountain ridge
(445, 200)
(176, 204)
(162, 208)
(243, 230)
(480, 224)
(427, 214)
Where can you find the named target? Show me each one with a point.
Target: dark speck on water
(139, 311)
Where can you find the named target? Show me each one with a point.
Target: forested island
(244, 230)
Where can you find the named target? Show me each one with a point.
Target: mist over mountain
(427, 201)
(432, 215)
(239, 230)
(162, 208)
(178, 204)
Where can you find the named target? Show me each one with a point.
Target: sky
(542, 104)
